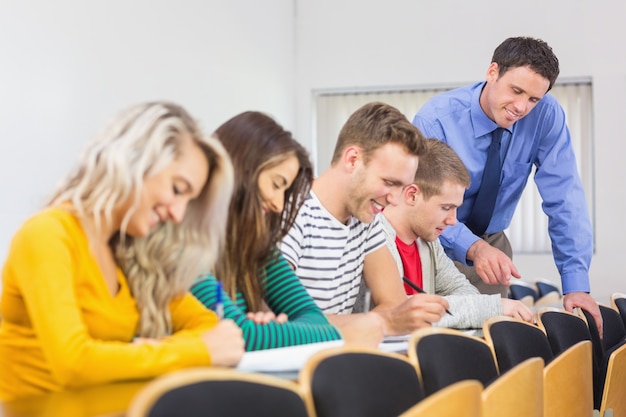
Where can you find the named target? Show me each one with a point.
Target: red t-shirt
(412, 264)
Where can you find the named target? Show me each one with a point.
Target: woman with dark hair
(273, 176)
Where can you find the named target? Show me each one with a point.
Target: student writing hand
(225, 343)
(491, 264)
(420, 310)
(517, 309)
(363, 330)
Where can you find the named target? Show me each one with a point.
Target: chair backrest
(613, 397)
(445, 356)
(550, 299)
(545, 286)
(612, 326)
(567, 383)
(517, 392)
(564, 329)
(462, 398)
(214, 391)
(614, 334)
(363, 382)
(520, 289)
(513, 341)
(618, 302)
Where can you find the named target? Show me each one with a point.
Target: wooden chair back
(520, 289)
(614, 395)
(612, 325)
(513, 341)
(564, 329)
(445, 356)
(545, 286)
(567, 383)
(461, 399)
(618, 302)
(357, 381)
(516, 393)
(206, 391)
(614, 333)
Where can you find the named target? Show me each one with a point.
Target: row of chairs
(558, 331)
(546, 388)
(550, 369)
(342, 381)
(541, 292)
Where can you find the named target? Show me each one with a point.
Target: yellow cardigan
(61, 327)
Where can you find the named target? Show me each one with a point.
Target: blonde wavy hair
(140, 142)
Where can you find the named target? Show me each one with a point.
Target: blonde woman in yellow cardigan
(86, 297)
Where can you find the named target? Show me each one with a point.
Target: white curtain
(528, 229)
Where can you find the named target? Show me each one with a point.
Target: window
(528, 231)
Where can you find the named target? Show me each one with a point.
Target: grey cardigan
(440, 276)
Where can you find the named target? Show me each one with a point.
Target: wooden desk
(110, 400)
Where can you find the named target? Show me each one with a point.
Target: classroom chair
(516, 393)
(358, 381)
(549, 294)
(613, 393)
(524, 292)
(199, 392)
(444, 356)
(461, 399)
(614, 334)
(618, 302)
(512, 341)
(567, 383)
(545, 286)
(564, 329)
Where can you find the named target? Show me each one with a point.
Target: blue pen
(219, 305)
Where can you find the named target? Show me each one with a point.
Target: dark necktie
(486, 198)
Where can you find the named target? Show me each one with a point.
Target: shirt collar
(483, 125)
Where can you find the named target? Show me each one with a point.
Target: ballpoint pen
(367, 301)
(418, 289)
(219, 305)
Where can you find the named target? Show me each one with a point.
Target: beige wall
(356, 43)
(68, 65)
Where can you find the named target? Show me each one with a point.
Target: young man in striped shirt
(336, 240)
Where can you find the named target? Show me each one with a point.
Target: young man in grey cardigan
(412, 230)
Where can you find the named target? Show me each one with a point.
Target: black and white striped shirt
(328, 255)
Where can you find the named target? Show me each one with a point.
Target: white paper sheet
(291, 358)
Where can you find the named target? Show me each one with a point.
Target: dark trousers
(499, 241)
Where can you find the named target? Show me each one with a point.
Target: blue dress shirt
(540, 139)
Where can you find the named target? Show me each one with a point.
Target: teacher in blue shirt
(512, 110)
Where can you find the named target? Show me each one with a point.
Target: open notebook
(293, 358)
(290, 358)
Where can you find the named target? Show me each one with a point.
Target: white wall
(67, 66)
(361, 43)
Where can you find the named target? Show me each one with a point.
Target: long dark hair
(255, 143)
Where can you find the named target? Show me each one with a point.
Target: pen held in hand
(418, 289)
(367, 301)
(219, 305)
